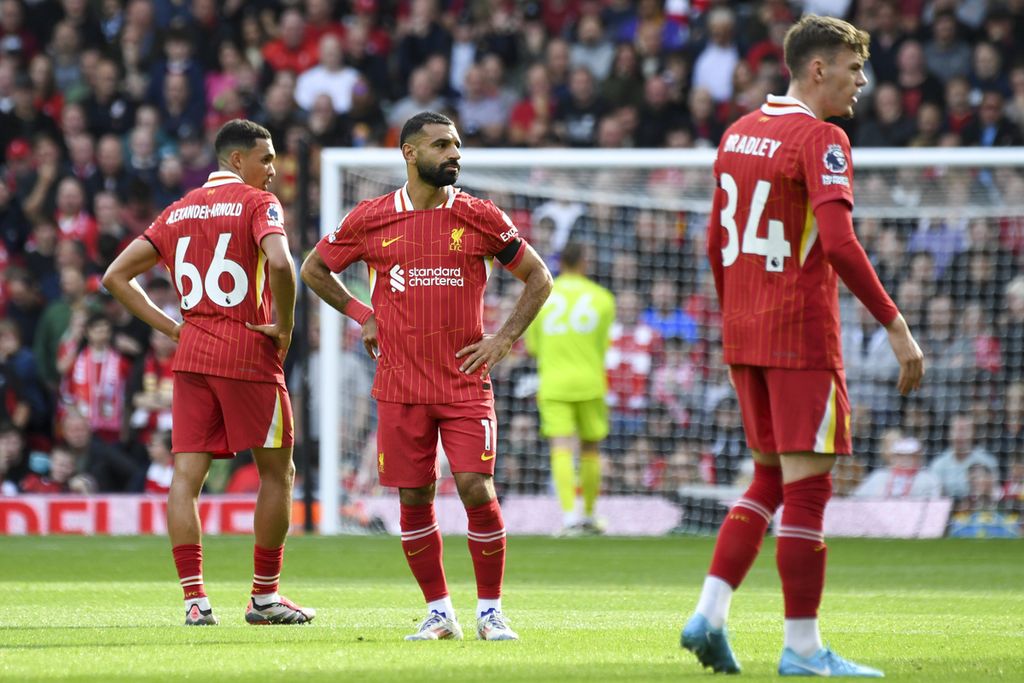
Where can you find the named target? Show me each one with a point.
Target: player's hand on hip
(908, 353)
(282, 336)
(176, 331)
(369, 333)
(484, 354)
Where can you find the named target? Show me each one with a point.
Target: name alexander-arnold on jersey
(205, 211)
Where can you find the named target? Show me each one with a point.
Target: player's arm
(281, 275)
(844, 252)
(714, 241)
(120, 281)
(319, 277)
(487, 352)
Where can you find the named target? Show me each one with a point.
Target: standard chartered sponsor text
(205, 211)
(435, 277)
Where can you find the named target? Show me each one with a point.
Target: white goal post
(500, 169)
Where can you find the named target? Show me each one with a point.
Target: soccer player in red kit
(781, 231)
(225, 247)
(429, 248)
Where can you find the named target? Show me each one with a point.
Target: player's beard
(438, 176)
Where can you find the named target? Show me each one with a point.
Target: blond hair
(814, 35)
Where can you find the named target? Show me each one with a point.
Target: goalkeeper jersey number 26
(569, 339)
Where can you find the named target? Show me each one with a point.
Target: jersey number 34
(774, 248)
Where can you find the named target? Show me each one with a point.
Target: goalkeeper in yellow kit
(569, 338)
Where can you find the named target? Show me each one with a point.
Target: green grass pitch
(597, 609)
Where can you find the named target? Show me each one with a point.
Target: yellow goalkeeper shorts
(586, 419)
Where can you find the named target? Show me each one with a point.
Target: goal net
(944, 228)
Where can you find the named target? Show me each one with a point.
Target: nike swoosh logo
(826, 673)
(493, 552)
(410, 553)
(484, 456)
(388, 243)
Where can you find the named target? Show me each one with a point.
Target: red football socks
(740, 536)
(801, 551)
(266, 572)
(486, 539)
(188, 559)
(421, 543)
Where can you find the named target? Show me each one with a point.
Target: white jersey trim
(218, 178)
(780, 105)
(403, 202)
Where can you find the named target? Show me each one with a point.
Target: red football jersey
(428, 270)
(779, 297)
(210, 242)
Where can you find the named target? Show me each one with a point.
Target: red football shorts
(222, 416)
(793, 411)
(407, 436)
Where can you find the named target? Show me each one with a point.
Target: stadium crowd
(107, 111)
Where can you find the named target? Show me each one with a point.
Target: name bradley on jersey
(205, 211)
(751, 145)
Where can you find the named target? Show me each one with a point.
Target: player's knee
(474, 488)
(423, 495)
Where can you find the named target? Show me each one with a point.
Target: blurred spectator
(666, 315)
(169, 186)
(959, 113)
(625, 83)
(987, 74)
(107, 108)
(482, 112)
(592, 49)
(929, 126)
(64, 50)
(674, 381)
(871, 367)
(106, 464)
(181, 113)
(54, 323)
(422, 97)
(197, 160)
(61, 476)
(635, 350)
(420, 35)
(96, 378)
(294, 50)
(952, 465)
(330, 76)
(15, 38)
(916, 85)
(946, 53)
(25, 399)
(658, 113)
(111, 174)
(719, 57)
(365, 55)
(724, 440)
(142, 156)
(1011, 328)
(12, 459)
(902, 475)
(889, 126)
(983, 490)
(578, 115)
(1012, 495)
(704, 125)
(531, 117)
(73, 218)
(160, 470)
(992, 128)
(887, 37)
